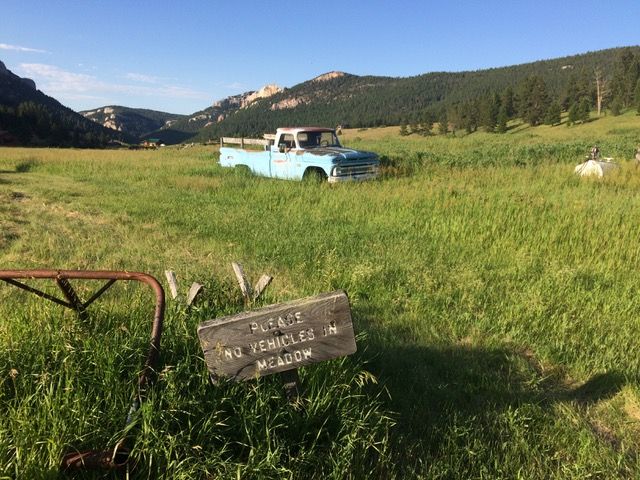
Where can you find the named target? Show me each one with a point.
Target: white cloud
(73, 86)
(18, 48)
(54, 79)
(237, 86)
(141, 77)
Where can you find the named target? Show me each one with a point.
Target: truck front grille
(355, 170)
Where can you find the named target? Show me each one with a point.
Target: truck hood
(341, 153)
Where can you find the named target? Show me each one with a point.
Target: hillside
(457, 100)
(365, 101)
(136, 122)
(189, 126)
(31, 118)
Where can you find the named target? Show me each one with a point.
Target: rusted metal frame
(37, 292)
(99, 293)
(118, 456)
(72, 297)
(56, 300)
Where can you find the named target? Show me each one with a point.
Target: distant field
(495, 296)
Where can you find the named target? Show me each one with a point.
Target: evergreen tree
(616, 107)
(443, 122)
(508, 100)
(503, 118)
(579, 85)
(574, 113)
(554, 114)
(625, 77)
(584, 110)
(403, 130)
(533, 100)
(467, 115)
(427, 121)
(425, 129)
(571, 92)
(490, 108)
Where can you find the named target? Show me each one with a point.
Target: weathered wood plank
(173, 282)
(279, 337)
(193, 292)
(243, 141)
(245, 286)
(263, 283)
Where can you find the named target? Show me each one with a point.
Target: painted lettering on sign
(231, 353)
(284, 359)
(281, 340)
(330, 329)
(273, 323)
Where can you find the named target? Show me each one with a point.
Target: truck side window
(303, 140)
(288, 140)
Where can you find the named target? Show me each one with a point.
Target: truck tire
(242, 170)
(314, 174)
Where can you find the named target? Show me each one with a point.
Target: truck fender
(315, 174)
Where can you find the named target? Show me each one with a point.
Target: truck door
(282, 156)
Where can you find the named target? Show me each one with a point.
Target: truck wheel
(242, 170)
(316, 175)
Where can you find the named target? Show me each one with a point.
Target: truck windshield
(318, 139)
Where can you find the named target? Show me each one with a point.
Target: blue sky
(182, 55)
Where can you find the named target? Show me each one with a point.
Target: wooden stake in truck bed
(302, 152)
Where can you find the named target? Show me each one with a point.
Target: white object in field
(596, 168)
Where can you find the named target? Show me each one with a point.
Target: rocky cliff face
(328, 76)
(288, 103)
(264, 92)
(25, 81)
(106, 117)
(135, 122)
(223, 108)
(293, 102)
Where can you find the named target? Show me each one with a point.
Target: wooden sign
(279, 337)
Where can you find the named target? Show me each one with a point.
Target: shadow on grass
(432, 389)
(600, 387)
(436, 390)
(22, 167)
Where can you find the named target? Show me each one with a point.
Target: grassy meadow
(495, 297)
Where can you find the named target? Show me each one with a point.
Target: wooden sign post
(279, 337)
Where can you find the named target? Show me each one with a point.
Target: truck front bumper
(353, 178)
(354, 172)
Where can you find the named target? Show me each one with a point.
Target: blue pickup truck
(302, 152)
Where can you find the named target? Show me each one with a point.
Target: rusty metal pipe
(37, 292)
(96, 460)
(118, 456)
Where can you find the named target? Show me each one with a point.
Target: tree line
(442, 102)
(533, 102)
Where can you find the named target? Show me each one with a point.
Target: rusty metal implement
(117, 456)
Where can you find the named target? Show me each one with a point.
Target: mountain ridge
(368, 101)
(136, 122)
(30, 117)
(332, 98)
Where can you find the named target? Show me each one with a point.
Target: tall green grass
(496, 292)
